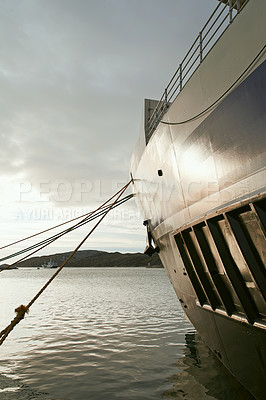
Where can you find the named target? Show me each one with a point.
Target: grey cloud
(73, 75)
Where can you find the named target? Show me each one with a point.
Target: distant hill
(6, 265)
(95, 258)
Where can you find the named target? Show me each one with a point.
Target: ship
(198, 172)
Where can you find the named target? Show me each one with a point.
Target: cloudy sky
(73, 76)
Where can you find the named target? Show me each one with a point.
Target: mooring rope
(46, 230)
(57, 226)
(22, 310)
(40, 245)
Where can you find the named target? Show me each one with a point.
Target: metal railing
(221, 18)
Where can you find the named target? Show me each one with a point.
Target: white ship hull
(201, 188)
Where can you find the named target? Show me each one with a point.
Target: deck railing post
(200, 46)
(180, 76)
(165, 96)
(230, 11)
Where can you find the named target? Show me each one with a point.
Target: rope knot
(21, 311)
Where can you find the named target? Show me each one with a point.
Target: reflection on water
(201, 376)
(14, 389)
(104, 334)
(94, 334)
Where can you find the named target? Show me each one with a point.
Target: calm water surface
(104, 334)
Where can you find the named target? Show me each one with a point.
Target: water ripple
(94, 334)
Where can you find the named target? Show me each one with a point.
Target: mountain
(95, 258)
(6, 265)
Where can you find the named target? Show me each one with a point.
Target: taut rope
(22, 310)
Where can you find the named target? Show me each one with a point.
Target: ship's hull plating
(202, 189)
(216, 265)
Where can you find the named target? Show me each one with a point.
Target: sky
(73, 77)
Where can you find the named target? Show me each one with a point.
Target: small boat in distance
(49, 264)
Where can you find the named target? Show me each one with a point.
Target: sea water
(104, 334)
